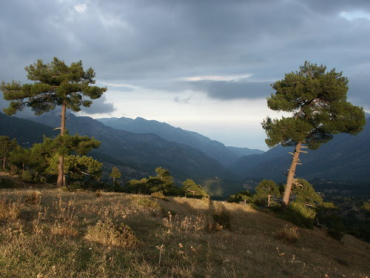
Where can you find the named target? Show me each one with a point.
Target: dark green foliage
(281, 188)
(242, 196)
(266, 189)
(77, 168)
(6, 146)
(163, 182)
(20, 157)
(42, 159)
(305, 193)
(137, 186)
(300, 215)
(71, 144)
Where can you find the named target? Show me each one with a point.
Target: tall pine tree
(55, 84)
(317, 100)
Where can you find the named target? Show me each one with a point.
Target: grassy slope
(45, 236)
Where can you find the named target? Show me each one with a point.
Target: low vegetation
(53, 233)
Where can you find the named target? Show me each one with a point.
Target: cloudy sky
(201, 65)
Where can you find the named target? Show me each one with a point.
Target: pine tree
(317, 100)
(6, 146)
(192, 189)
(267, 189)
(115, 174)
(55, 84)
(20, 157)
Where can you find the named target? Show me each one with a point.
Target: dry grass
(62, 235)
(288, 234)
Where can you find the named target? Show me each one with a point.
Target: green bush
(27, 176)
(159, 195)
(300, 215)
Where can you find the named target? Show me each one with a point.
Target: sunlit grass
(50, 233)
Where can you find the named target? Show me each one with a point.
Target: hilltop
(50, 233)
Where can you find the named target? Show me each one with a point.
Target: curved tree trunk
(61, 176)
(291, 173)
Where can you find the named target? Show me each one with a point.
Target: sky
(201, 65)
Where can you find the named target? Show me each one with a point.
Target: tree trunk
(61, 176)
(293, 166)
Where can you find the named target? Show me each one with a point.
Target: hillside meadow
(46, 232)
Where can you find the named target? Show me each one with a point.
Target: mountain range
(214, 149)
(344, 158)
(139, 154)
(138, 146)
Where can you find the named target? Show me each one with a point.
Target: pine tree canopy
(318, 101)
(55, 84)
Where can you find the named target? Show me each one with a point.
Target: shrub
(300, 215)
(240, 197)
(109, 233)
(288, 235)
(27, 176)
(159, 195)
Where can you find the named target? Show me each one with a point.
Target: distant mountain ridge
(141, 152)
(214, 149)
(344, 158)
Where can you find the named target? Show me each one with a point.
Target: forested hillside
(214, 149)
(139, 153)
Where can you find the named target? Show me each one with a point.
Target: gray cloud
(359, 91)
(229, 90)
(99, 106)
(151, 43)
